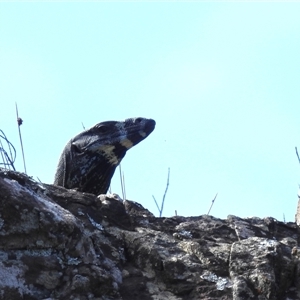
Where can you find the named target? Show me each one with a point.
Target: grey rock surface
(62, 244)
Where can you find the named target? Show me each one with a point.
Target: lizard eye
(76, 149)
(138, 120)
(103, 129)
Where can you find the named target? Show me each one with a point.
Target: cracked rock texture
(61, 244)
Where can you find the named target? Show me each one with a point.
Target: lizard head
(92, 156)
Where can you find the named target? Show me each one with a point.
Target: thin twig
(122, 184)
(7, 161)
(156, 203)
(10, 145)
(297, 154)
(3, 155)
(163, 201)
(212, 203)
(123, 177)
(19, 124)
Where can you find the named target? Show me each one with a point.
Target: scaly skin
(89, 160)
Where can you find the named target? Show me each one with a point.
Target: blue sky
(220, 79)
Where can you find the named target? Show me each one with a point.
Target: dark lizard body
(89, 160)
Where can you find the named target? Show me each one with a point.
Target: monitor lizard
(89, 160)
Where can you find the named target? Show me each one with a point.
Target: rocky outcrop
(61, 244)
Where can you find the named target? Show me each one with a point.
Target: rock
(62, 244)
